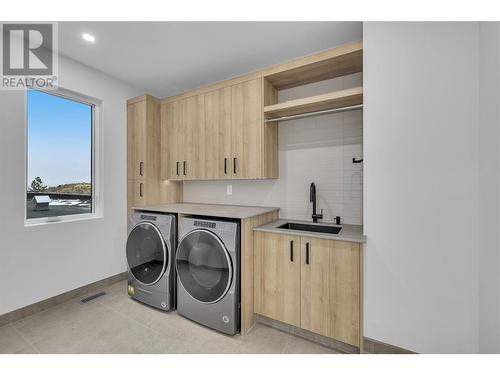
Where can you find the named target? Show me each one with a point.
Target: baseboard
(372, 346)
(311, 336)
(23, 312)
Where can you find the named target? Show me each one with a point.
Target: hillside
(77, 188)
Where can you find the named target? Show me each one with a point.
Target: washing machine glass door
(204, 266)
(147, 254)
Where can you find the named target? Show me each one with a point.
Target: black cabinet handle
(140, 190)
(225, 165)
(141, 171)
(307, 252)
(291, 251)
(177, 167)
(234, 165)
(184, 167)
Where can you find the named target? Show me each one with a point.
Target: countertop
(350, 233)
(216, 210)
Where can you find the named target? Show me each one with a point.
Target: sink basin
(311, 228)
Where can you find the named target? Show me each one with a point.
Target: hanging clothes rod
(317, 113)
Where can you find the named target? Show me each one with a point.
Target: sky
(59, 139)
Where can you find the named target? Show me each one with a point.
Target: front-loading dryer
(151, 245)
(208, 280)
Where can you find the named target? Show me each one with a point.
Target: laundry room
(263, 190)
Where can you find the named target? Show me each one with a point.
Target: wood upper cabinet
(136, 135)
(183, 139)
(247, 129)
(143, 139)
(222, 131)
(193, 137)
(277, 276)
(144, 148)
(171, 141)
(220, 134)
(330, 289)
(143, 143)
(318, 291)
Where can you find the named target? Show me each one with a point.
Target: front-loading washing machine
(151, 245)
(208, 277)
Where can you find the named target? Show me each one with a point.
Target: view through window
(59, 160)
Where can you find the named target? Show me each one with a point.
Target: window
(60, 174)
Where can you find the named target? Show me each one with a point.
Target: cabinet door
(330, 285)
(277, 276)
(247, 129)
(136, 139)
(136, 194)
(225, 134)
(218, 134)
(193, 136)
(171, 141)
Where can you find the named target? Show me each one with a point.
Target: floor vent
(92, 297)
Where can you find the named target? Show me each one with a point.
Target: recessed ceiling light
(88, 37)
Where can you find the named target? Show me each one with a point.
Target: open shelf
(341, 61)
(332, 100)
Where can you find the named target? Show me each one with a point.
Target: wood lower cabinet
(277, 276)
(330, 289)
(322, 295)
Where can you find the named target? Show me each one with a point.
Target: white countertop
(216, 210)
(349, 232)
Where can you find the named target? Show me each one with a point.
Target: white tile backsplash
(315, 149)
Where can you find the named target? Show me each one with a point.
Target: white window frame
(96, 153)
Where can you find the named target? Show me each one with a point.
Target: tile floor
(114, 323)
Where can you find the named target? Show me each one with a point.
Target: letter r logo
(27, 49)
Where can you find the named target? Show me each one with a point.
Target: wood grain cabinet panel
(225, 120)
(319, 291)
(314, 285)
(344, 297)
(330, 289)
(136, 134)
(247, 129)
(193, 137)
(145, 151)
(171, 141)
(218, 134)
(137, 192)
(277, 277)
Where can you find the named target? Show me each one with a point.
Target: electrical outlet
(229, 189)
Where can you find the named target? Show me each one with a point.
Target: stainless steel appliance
(151, 245)
(208, 278)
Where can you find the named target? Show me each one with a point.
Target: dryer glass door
(146, 253)
(204, 266)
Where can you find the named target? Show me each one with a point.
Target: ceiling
(167, 58)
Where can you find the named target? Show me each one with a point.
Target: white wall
(489, 186)
(316, 149)
(421, 185)
(42, 261)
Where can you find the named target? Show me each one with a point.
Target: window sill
(61, 219)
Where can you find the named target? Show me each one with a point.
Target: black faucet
(312, 198)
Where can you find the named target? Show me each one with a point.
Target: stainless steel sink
(330, 229)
